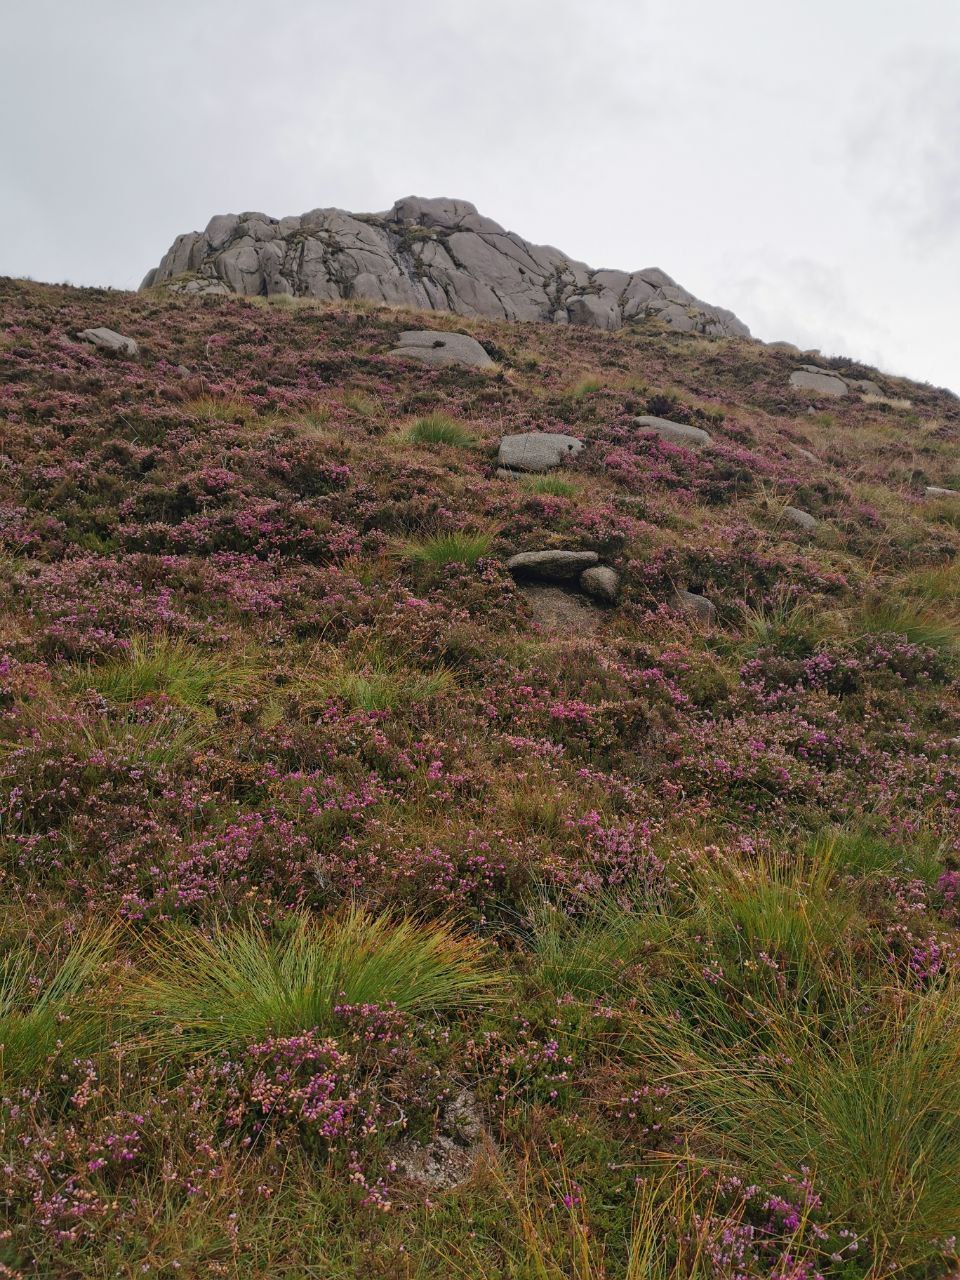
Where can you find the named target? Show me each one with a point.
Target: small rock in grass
(697, 606)
(937, 491)
(442, 349)
(601, 582)
(675, 432)
(802, 519)
(109, 340)
(536, 451)
(554, 565)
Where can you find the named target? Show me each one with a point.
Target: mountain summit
(437, 255)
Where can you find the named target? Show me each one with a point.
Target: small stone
(819, 381)
(536, 450)
(802, 519)
(554, 565)
(442, 349)
(601, 582)
(697, 606)
(675, 432)
(109, 340)
(936, 491)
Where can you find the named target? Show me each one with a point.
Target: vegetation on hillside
(357, 924)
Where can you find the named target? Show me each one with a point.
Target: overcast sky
(798, 163)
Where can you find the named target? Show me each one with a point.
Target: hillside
(378, 906)
(437, 255)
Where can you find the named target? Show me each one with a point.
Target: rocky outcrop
(435, 255)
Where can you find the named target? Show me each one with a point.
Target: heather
(358, 920)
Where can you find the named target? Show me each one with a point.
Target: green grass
(48, 1012)
(589, 957)
(235, 985)
(219, 409)
(784, 625)
(362, 404)
(440, 428)
(550, 486)
(585, 386)
(918, 624)
(380, 684)
(870, 1104)
(164, 665)
(450, 548)
(863, 854)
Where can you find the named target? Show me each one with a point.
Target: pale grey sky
(798, 163)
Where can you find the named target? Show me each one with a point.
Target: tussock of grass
(861, 853)
(44, 1014)
(219, 409)
(206, 992)
(550, 486)
(169, 666)
(587, 958)
(450, 548)
(359, 402)
(869, 1104)
(919, 625)
(440, 428)
(377, 682)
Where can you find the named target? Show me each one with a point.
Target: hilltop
(426, 852)
(438, 254)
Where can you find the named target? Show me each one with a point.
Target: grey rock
(802, 519)
(554, 565)
(675, 432)
(865, 385)
(109, 340)
(818, 381)
(697, 606)
(936, 491)
(788, 347)
(442, 349)
(432, 255)
(602, 583)
(536, 451)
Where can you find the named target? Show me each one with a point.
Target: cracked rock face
(432, 255)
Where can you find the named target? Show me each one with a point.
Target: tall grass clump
(450, 548)
(866, 1099)
(918, 624)
(49, 1011)
(378, 683)
(169, 666)
(238, 984)
(549, 486)
(440, 428)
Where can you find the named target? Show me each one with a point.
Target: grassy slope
(677, 906)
